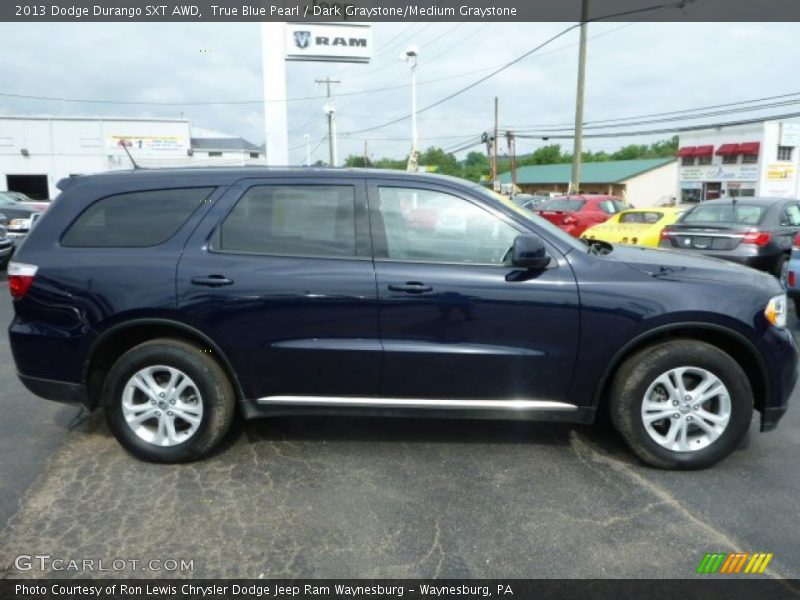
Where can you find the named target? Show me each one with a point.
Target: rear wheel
(168, 401)
(682, 404)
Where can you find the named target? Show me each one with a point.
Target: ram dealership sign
(340, 42)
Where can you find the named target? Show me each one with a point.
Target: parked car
(793, 274)
(756, 232)
(529, 201)
(637, 226)
(21, 199)
(175, 298)
(6, 245)
(575, 214)
(21, 215)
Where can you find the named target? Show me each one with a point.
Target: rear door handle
(410, 287)
(212, 280)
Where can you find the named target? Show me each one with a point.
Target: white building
(757, 159)
(37, 151)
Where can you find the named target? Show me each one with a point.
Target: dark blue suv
(174, 299)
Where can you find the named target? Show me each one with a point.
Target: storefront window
(749, 159)
(703, 160)
(730, 159)
(691, 195)
(687, 161)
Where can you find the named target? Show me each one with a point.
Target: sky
(633, 69)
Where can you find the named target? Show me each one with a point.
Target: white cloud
(632, 69)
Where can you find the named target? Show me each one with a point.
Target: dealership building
(646, 182)
(37, 151)
(755, 159)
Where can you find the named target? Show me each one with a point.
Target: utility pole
(366, 154)
(495, 182)
(577, 149)
(512, 152)
(307, 139)
(331, 112)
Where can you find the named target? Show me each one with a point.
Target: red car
(575, 214)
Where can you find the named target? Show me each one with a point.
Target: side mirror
(529, 252)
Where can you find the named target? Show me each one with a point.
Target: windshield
(6, 199)
(647, 218)
(745, 214)
(530, 217)
(565, 204)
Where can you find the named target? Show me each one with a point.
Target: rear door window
(291, 220)
(134, 219)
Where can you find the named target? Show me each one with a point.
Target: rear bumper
(59, 391)
(747, 255)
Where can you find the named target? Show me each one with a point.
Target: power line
(666, 130)
(563, 32)
(663, 114)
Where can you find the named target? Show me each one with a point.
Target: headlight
(776, 311)
(19, 224)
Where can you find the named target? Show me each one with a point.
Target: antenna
(128, 152)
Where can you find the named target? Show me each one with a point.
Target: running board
(415, 403)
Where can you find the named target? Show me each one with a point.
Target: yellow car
(638, 226)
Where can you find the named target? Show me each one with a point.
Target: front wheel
(682, 404)
(168, 401)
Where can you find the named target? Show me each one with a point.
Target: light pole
(307, 139)
(331, 112)
(411, 56)
(577, 149)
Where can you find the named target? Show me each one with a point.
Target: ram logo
(302, 38)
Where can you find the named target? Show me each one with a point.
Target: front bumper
(6, 248)
(779, 350)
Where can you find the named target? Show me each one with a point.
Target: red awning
(749, 148)
(704, 151)
(727, 149)
(686, 151)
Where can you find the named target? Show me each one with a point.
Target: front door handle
(212, 280)
(410, 287)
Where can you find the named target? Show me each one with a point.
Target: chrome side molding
(432, 403)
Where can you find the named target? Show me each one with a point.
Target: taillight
(791, 279)
(759, 238)
(796, 242)
(20, 278)
(665, 234)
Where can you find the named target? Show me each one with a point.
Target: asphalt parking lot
(341, 497)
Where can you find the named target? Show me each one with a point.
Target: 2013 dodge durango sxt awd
(175, 298)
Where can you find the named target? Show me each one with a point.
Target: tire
(796, 307)
(201, 413)
(637, 377)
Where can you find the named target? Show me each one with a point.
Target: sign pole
(273, 66)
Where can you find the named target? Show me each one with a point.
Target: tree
(445, 163)
(474, 166)
(356, 160)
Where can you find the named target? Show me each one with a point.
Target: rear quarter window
(134, 219)
(565, 204)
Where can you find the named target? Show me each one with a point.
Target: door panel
(469, 330)
(303, 324)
